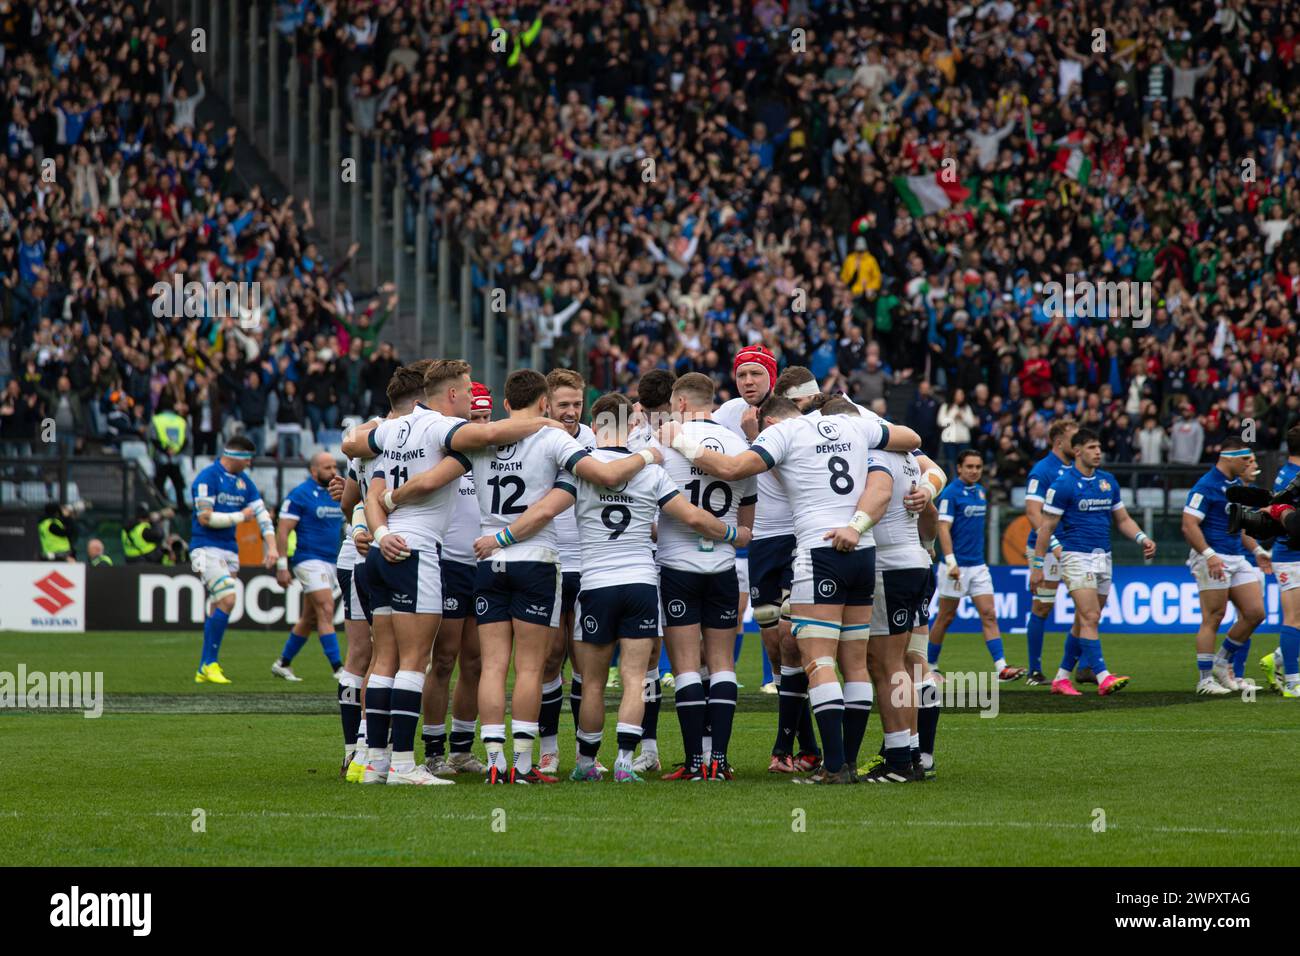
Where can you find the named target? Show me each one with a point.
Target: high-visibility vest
(52, 544)
(170, 430)
(134, 543)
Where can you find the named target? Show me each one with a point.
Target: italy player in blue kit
(1041, 476)
(1218, 563)
(1078, 509)
(223, 498)
(316, 520)
(1282, 666)
(963, 509)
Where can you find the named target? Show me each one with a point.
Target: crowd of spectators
(662, 183)
(111, 183)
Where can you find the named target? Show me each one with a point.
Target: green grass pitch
(1181, 780)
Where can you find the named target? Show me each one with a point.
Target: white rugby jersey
(772, 516)
(821, 462)
(614, 525)
(509, 478)
(897, 534)
(348, 556)
(356, 470)
(409, 446)
(678, 544)
(566, 524)
(462, 524)
(640, 437)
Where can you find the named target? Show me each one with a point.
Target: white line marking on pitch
(685, 821)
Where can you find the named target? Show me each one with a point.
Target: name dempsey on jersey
(831, 449)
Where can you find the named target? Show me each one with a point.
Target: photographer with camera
(57, 533)
(143, 540)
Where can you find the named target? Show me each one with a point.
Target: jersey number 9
(616, 518)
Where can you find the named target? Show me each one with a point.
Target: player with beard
(567, 392)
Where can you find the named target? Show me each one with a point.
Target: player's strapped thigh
(742, 575)
(603, 615)
(315, 575)
(413, 586)
(827, 576)
(901, 603)
(457, 589)
(1236, 572)
(570, 585)
(691, 597)
(519, 590)
(217, 569)
(1046, 592)
(771, 562)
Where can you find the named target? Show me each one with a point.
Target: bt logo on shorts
(676, 608)
(900, 617)
(589, 624)
(827, 588)
(480, 606)
(753, 594)
(450, 604)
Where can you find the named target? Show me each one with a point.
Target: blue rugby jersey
(1281, 552)
(1208, 501)
(218, 489)
(1085, 506)
(320, 522)
(964, 506)
(1041, 476)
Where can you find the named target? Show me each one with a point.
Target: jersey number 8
(841, 480)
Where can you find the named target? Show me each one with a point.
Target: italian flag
(929, 193)
(1070, 160)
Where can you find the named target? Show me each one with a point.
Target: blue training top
(1085, 506)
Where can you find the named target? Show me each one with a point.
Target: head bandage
(806, 390)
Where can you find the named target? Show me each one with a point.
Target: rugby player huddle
(535, 538)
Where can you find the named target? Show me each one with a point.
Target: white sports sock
(915, 741)
(378, 758)
(1062, 674)
(550, 745)
(650, 746)
(403, 762)
(1101, 676)
(1000, 664)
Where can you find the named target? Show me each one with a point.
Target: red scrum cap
(757, 355)
(480, 397)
